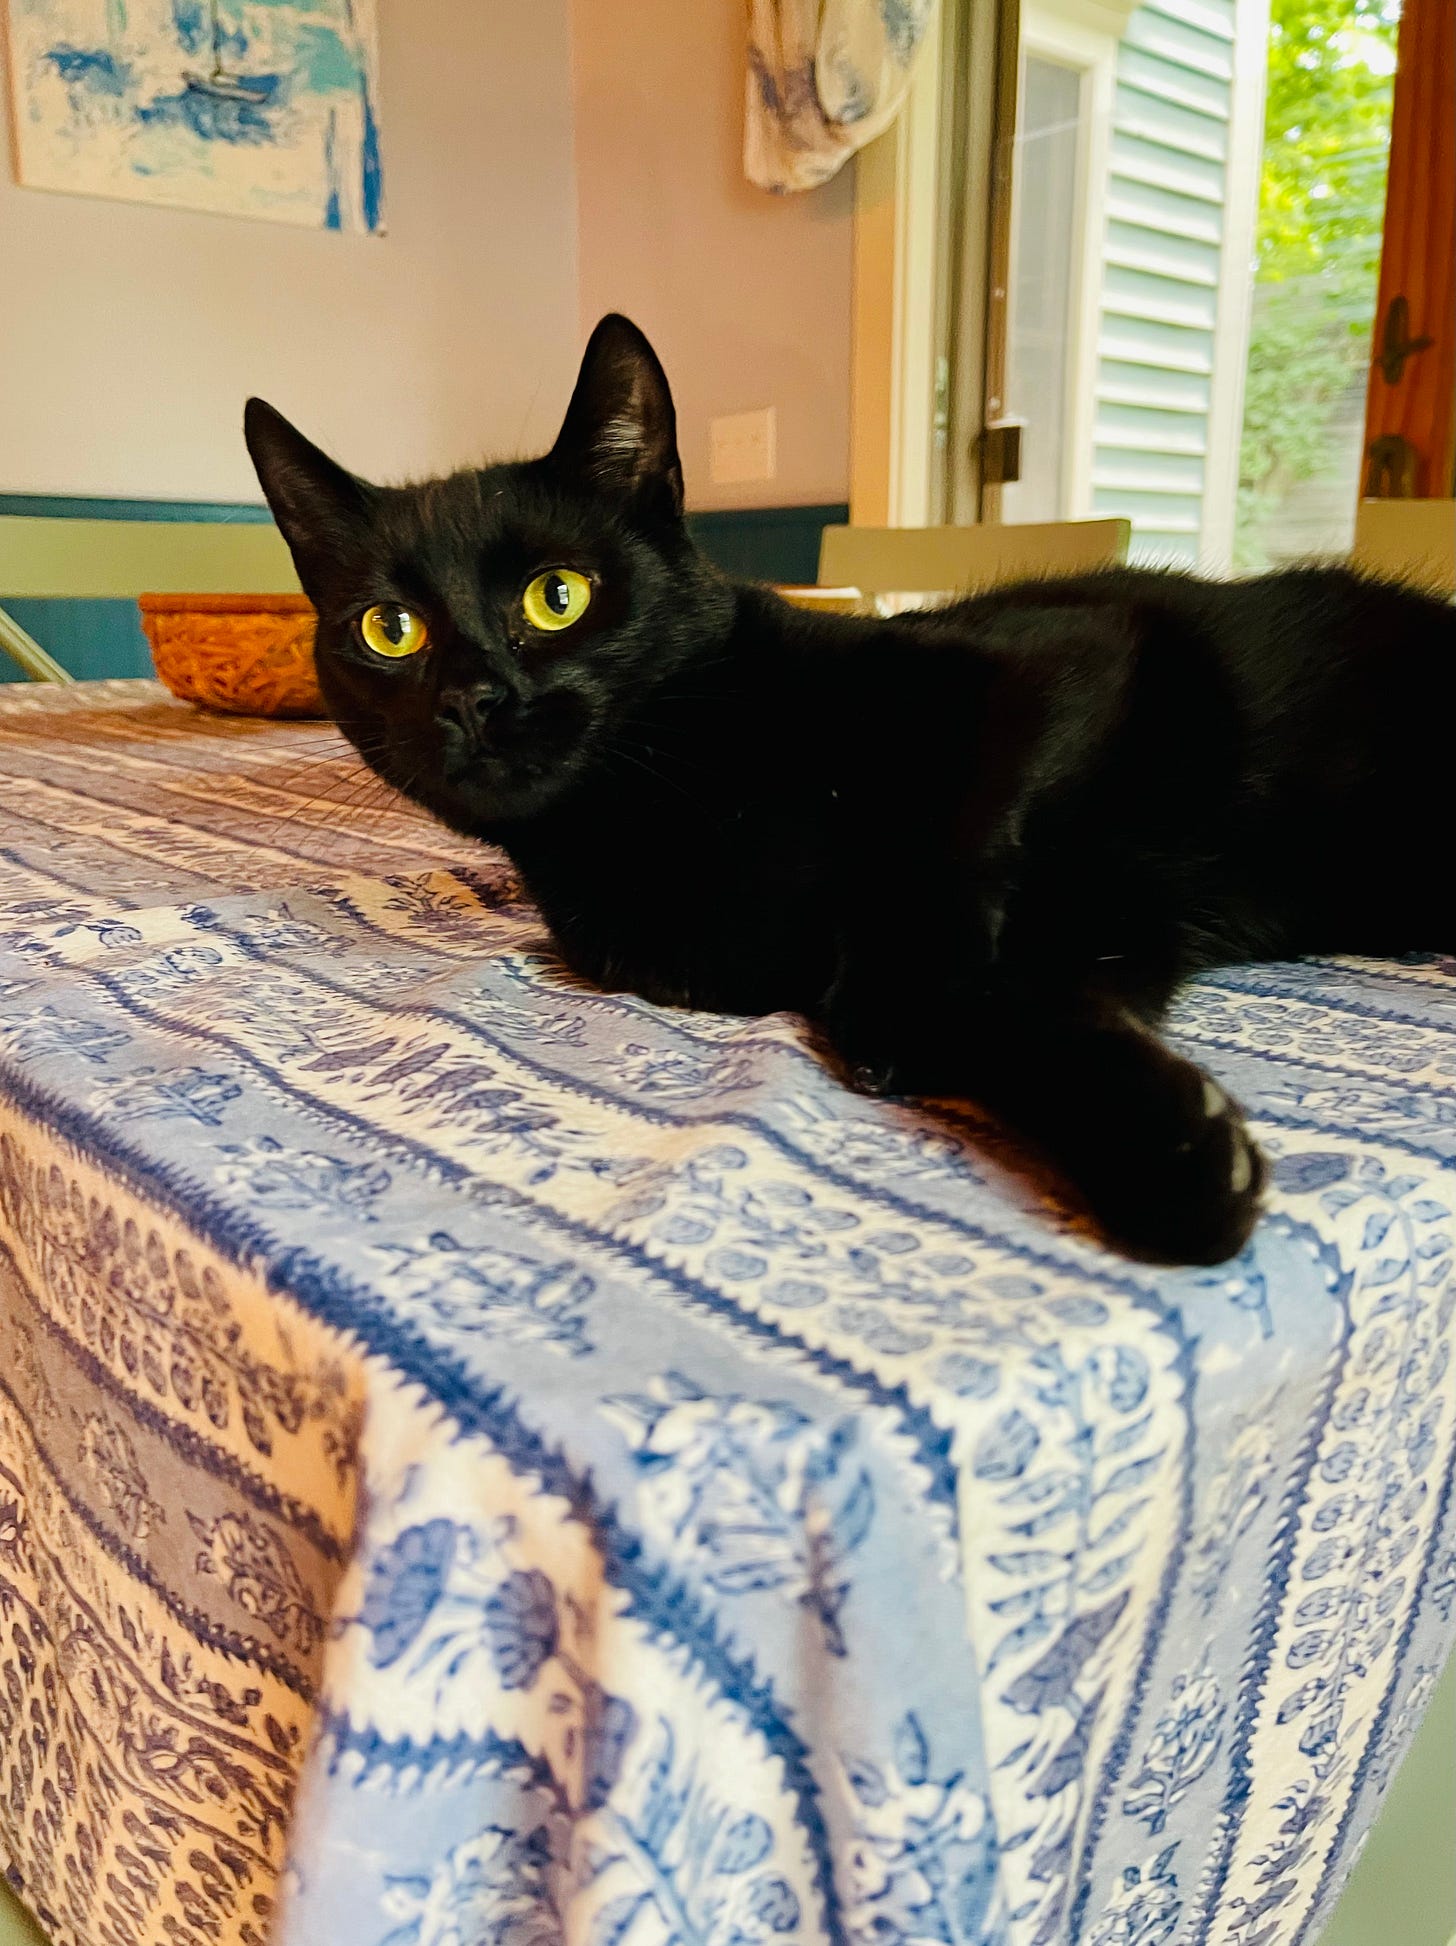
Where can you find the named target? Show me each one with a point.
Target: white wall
(745, 295)
(130, 336)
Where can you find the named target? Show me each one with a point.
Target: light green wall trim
(119, 559)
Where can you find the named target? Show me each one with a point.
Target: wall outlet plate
(743, 446)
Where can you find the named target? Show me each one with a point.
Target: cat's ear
(322, 511)
(620, 430)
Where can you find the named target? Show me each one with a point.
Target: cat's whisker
(362, 789)
(370, 794)
(350, 763)
(616, 754)
(318, 796)
(293, 782)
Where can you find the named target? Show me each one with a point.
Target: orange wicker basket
(251, 655)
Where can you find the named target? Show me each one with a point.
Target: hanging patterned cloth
(824, 78)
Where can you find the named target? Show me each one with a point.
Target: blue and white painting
(265, 108)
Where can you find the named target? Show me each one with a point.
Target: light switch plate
(742, 446)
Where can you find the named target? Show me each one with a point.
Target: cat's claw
(872, 1078)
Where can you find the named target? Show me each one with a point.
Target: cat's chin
(509, 794)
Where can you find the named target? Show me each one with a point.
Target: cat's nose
(469, 710)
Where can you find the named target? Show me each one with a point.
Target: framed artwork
(265, 108)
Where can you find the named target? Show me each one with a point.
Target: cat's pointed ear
(620, 430)
(322, 511)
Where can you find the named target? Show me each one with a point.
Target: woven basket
(251, 655)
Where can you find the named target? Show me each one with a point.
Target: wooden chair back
(1408, 540)
(959, 560)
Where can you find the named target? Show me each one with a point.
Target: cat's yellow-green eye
(394, 631)
(556, 599)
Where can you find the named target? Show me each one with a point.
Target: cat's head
(483, 638)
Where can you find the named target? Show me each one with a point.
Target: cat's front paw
(1185, 1191)
(866, 1051)
(873, 1078)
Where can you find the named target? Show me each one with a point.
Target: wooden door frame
(1418, 256)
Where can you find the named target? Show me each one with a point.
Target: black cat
(982, 845)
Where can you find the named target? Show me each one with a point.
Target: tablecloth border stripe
(248, 1650)
(337, 1730)
(1340, 1282)
(1312, 1064)
(279, 1768)
(1115, 1758)
(211, 1727)
(1377, 1729)
(1363, 1137)
(1255, 989)
(1284, 1540)
(192, 1446)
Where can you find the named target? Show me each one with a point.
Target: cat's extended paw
(873, 1077)
(868, 1059)
(1185, 1188)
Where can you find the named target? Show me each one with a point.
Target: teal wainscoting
(767, 543)
(104, 638)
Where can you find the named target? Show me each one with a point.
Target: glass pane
(1042, 250)
(1331, 82)
(1198, 204)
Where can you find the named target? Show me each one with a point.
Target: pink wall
(130, 336)
(133, 334)
(745, 295)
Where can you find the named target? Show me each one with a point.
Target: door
(1179, 320)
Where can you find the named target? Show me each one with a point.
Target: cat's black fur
(981, 846)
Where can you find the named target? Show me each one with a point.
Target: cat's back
(1324, 628)
(1332, 679)
(1301, 646)
(1345, 688)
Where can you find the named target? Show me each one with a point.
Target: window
(1065, 91)
(1041, 329)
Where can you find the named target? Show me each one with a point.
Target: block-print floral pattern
(922, 1862)
(1146, 1909)
(751, 1494)
(253, 1562)
(492, 1888)
(1180, 1749)
(106, 1451)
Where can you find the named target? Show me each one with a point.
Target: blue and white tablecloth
(488, 1464)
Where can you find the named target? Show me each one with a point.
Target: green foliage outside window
(1321, 209)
